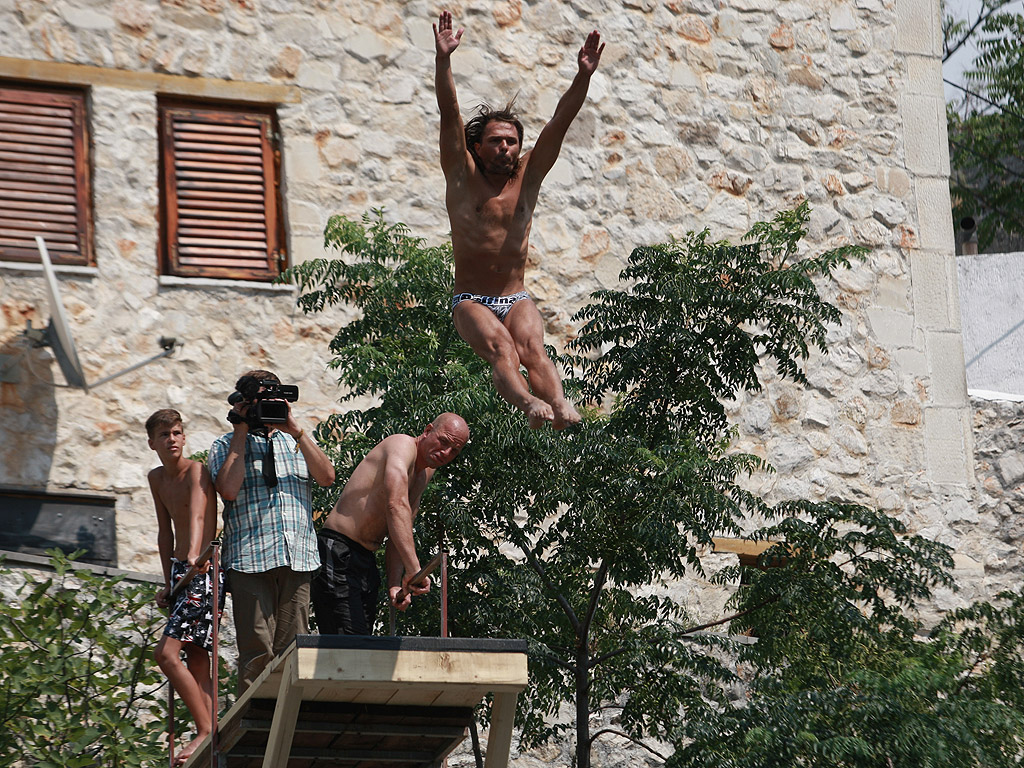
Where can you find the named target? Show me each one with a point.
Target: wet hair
(484, 115)
(165, 417)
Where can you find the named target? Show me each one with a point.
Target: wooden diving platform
(337, 701)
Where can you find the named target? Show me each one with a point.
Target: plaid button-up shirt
(266, 527)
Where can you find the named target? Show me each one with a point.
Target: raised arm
(227, 467)
(549, 142)
(453, 136)
(320, 467)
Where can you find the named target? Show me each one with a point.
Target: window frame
(52, 216)
(196, 178)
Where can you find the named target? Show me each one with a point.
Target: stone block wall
(713, 114)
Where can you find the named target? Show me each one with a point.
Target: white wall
(992, 312)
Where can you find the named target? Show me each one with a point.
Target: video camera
(266, 399)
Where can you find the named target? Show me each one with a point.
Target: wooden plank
(499, 736)
(226, 211)
(415, 696)
(59, 135)
(365, 729)
(20, 202)
(742, 546)
(331, 757)
(460, 697)
(365, 695)
(497, 671)
(282, 729)
(28, 191)
(180, 85)
(214, 124)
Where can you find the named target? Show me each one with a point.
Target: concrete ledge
(37, 562)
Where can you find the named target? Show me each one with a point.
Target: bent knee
(164, 656)
(495, 349)
(531, 352)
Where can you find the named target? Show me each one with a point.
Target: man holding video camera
(263, 470)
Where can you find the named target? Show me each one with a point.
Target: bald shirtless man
(379, 502)
(491, 194)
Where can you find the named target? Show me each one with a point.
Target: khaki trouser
(270, 608)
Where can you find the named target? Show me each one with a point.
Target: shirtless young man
(186, 513)
(491, 194)
(379, 502)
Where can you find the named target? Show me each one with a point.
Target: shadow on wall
(992, 321)
(28, 427)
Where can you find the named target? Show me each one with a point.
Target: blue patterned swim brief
(499, 305)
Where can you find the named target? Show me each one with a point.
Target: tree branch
(606, 656)
(698, 628)
(628, 738)
(595, 594)
(557, 661)
(537, 566)
(983, 15)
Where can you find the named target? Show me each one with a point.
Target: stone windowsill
(37, 268)
(172, 281)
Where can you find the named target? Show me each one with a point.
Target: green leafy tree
(578, 540)
(986, 123)
(78, 684)
(838, 677)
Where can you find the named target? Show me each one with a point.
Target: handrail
(417, 578)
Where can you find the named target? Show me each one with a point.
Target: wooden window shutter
(219, 192)
(44, 175)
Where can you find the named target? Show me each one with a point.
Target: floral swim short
(191, 619)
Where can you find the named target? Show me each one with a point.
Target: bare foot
(186, 752)
(537, 413)
(565, 414)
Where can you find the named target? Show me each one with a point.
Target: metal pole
(215, 693)
(444, 593)
(444, 597)
(170, 724)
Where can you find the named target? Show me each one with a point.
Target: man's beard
(508, 170)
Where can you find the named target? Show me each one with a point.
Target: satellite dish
(57, 335)
(58, 332)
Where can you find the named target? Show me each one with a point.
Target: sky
(954, 68)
